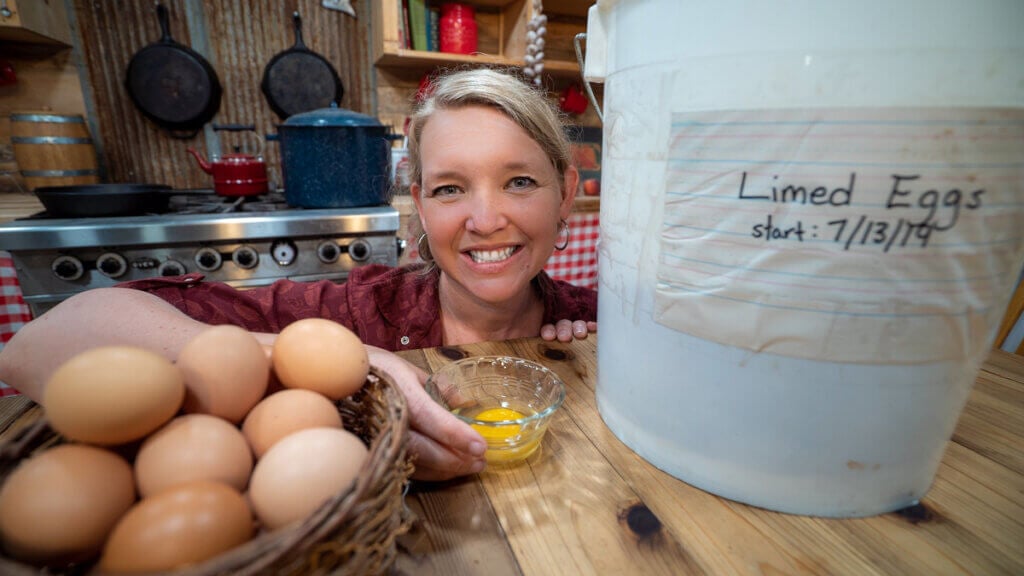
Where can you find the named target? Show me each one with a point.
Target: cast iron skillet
(104, 200)
(172, 85)
(299, 80)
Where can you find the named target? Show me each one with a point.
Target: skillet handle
(298, 30)
(165, 25)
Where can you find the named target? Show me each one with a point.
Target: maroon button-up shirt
(391, 308)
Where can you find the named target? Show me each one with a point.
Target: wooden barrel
(53, 149)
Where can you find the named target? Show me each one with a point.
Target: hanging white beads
(536, 28)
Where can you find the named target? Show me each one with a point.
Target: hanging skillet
(172, 85)
(299, 80)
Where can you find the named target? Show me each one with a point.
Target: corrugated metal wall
(238, 37)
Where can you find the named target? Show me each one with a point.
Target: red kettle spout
(202, 161)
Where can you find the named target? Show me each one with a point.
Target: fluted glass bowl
(508, 400)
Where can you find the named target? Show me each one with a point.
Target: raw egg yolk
(499, 433)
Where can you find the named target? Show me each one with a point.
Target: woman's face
(490, 201)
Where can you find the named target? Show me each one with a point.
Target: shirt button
(405, 340)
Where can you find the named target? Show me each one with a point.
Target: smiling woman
(491, 203)
(493, 181)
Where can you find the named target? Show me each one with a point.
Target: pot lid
(332, 116)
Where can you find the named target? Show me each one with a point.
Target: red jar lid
(457, 9)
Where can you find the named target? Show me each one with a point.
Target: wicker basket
(353, 533)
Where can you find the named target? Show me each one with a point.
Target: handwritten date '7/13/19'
(913, 214)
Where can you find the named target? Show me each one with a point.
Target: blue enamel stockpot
(335, 158)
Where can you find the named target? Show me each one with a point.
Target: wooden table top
(586, 504)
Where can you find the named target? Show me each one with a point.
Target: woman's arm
(444, 446)
(100, 317)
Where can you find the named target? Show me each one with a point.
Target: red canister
(457, 29)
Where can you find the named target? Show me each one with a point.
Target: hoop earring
(424, 248)
(563, 226)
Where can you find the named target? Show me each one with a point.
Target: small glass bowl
(508, 400)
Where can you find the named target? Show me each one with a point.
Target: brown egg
(226, 372)
(186, 524)
(322, 356)
(302, 471)
(113, 394)
(193, 447)
(60, 505)
(284, 412)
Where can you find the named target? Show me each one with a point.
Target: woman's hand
(444, 446)
(566, 330)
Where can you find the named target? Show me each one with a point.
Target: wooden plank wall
(242, 36)
(238, 37)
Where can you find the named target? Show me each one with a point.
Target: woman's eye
(522, 182)
(443, 191)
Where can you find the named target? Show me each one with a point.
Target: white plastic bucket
(818, 365)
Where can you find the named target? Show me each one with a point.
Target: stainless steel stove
(243, 242)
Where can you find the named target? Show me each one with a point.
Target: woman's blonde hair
(505, 91)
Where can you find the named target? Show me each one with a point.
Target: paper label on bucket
(851, 235)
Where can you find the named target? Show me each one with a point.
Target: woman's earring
(424, 248)
(563, 228)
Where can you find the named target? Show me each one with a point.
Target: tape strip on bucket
(852, 235)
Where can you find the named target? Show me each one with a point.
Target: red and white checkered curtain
(14, 313)
(577, 264)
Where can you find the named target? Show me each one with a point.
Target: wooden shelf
(35, 22)
(502, 26)
(403, 58)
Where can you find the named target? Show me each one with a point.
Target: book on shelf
(403, 20)
(433, 25)
(418, 24)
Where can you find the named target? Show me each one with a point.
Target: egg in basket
(225, 462)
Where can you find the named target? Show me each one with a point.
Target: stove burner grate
(196, 202)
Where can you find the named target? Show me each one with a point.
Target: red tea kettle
(235, 174)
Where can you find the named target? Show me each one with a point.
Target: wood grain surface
(18, 205)
(586, 504)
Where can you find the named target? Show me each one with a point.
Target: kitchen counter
(586, 504)
(15, 205)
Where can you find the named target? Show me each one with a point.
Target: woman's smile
(492, 255)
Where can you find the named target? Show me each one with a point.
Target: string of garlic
(536, 28)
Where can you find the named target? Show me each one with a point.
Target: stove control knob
(171, 268)
(112, 264)
(208, 259)
(359, 250)
(245, 257)
(283, 252)
(328, 252)
(67, 268)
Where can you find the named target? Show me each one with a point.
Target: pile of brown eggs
(169, 464)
